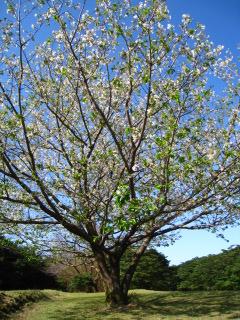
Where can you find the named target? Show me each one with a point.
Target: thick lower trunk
(109, 268)
(115, 295)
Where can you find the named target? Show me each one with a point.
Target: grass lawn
(146, 305)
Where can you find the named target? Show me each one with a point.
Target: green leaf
(64, 72)
(229, 153)
(181, 159)
(107, 229)
(176, 96)
(49, 40)
(56, 18)
(10, 8)
(146, 78)
(183, 133)
(114, 7)
(165, 45)
(145, 11)
(84, 99)
(128, 131)
(161, 142)
(159, 187)
(170, 71)
(122, 195)
(117, 83)
(93, 115)
(77, 176)
(124, 225)
(161, 200)
(134, 206)
(119, 30)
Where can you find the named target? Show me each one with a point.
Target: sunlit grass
(145, 305)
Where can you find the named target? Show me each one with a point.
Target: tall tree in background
(153, 271)
(110, 128)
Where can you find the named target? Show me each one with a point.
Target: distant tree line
(213, 272)
(22, 268)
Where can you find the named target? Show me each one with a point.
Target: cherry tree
(110, 127)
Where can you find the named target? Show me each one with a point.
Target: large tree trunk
(115, 295)
(109, 268)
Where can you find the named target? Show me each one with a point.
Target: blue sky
(222, 21)
(221, 18)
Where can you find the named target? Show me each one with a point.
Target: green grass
(145, 305)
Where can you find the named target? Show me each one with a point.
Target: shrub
(82, 282)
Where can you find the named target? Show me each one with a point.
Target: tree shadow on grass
(190, 304)
(76, 315)
(174, 304)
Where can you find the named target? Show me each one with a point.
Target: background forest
(22, 268)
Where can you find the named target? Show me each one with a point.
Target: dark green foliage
(21, 268)
(82, 282)
(153, 271)
(214, 272)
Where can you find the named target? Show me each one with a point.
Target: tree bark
(116, 289)
(109, 267)
(115, 295)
